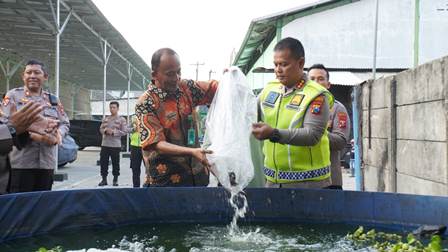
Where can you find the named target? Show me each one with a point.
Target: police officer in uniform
(338, 126)
(112, 128)
(13, 132)
(33, 165)
(295, 112)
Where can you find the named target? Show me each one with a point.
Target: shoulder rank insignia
(271, 98)
(342, 118)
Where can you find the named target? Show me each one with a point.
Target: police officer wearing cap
(295, 112)
(338, 126)
(33, 165)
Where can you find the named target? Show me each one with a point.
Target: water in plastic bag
(228, 130)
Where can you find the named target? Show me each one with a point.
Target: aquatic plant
(55, 249)
(388, 242)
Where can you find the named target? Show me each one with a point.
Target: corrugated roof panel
(27, 29)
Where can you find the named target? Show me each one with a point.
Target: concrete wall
(404, 131)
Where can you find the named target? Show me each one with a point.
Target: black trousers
(136, 163)
(114, 154)
(5, 174)
(30, 180)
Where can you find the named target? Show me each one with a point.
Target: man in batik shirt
(168, 131)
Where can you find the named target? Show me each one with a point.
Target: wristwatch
(13, 133)
(275, 136)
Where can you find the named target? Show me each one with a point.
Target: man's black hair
(37, 62)
(114, 102)
(322, 67)
(155, 60)
(294, 46)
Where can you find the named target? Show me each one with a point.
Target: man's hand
(44, 125)
(25, 116)
(108, 131)
(261, 131)
(49, 139)
(58, 137)
(199, 154)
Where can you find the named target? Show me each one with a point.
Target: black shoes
(103, 182)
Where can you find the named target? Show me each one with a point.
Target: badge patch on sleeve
(342, 118)
(316, 105)
(271, 99)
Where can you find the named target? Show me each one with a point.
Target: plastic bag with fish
(228, 130)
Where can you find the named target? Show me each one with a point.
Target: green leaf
(436, 244)
(371, 234)
(411, 238)
(358, 231)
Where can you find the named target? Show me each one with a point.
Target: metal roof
(27, 30)
(263, 30)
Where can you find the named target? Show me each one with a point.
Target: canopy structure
(263, 30)
(89, 46)
(75, 40)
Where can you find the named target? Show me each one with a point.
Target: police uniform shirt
(119, 127)
(339, 133)
(35, 155)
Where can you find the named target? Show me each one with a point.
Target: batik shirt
(164, 116)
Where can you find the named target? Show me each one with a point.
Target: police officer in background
(338, 126)
(33, 165)
(295, 112)
(112, 128)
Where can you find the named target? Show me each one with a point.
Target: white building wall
(343, 37)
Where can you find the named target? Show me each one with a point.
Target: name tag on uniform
(271, 99)
(295, 102)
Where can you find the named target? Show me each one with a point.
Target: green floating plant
(387, 242)
(55, 249)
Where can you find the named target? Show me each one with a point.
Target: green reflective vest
(286, 163)
(135, 139)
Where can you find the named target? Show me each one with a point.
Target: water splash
(228, 133)
(238, 201)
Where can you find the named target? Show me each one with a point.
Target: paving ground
(84, 173)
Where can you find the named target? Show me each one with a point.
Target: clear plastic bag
(228, 130)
